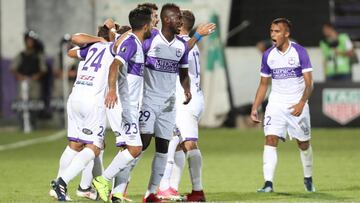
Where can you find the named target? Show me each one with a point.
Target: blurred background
(36, 75)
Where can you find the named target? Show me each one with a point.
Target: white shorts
(86, 122)
(125, 125)
(279, 121)
(156, 119)
(187, 120)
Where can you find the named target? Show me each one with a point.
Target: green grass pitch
(232, 168)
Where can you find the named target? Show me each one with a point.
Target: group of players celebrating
(146, 82)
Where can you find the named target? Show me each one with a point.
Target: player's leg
(179, 163)
(300, 128)
(165, 192)
(274, 128)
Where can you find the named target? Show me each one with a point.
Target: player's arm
(185, 83)
(306, 95)
(202, 31)
(82, 39)
(111, 97)
(259, 98)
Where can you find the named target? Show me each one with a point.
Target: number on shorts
(145, 114)
(102, 131)
(128, 128)
(268, 118)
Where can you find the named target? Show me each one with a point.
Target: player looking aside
(86, 122)
(187, 118)
(288, 64)
(129, 64)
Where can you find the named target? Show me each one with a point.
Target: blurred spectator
(338, 51)
(28, 67)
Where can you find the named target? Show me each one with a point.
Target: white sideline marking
(25, 143)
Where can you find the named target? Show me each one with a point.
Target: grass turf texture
(232, 168)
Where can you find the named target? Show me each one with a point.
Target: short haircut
(139, 17)
(166, 7)
(103, 31)
(328, 24)
(122, 29)
(148, 5)
(283, 21)
(188, 19)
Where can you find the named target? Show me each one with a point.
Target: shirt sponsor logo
(285, 73)
(165, 65)
(341, 104)
(291, 61)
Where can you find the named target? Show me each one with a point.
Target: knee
(135, 151)
(271, 140)
(161, 145)
(76, 146)
(95, 149)
(145, 139)
(190, 145)
(303, 145)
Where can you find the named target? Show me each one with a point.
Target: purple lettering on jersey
(136, 68)
(303, 56)
(162, 65)
(286, 72)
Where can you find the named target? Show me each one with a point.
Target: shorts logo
(87, 131)
(341, 104)
(178, 52)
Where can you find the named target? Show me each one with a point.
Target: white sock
(121, 160)
(65, 159)
(270, 160)
(195, 168)
(307, 161)
(157, 171)
(165, 180)
(87, 175)
(98, 165)
(178, 168)
(122, 178)
(78, 164)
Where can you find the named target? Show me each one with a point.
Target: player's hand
(188, 97)
(254, 116)
(111, 99)
(297, 108)
(206, 29)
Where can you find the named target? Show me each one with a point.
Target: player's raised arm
(259, 98)
(202, 31)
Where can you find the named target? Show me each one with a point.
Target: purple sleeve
(303, 57)
(265, 69)
(147, 43)
(126, 50)
(83, 52)
(184, 61)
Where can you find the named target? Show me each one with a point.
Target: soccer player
(187, 118)
(129, 64)
(288, 64)
(86, 120)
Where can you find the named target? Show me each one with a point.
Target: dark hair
(148, 5)
(103, 31)
(139, 17)
(284, 21)
(328, 24)
(122, 29)
(188, 19)
(167, 7)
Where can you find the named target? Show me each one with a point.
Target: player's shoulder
(268, 51)
(181, 39)
(297, 46)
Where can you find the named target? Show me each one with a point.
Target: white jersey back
(286, 70)
(130, 82)
(194, 74)
(162, 63)
(92, 74)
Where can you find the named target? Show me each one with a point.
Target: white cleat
(89, 193)
(53, 194)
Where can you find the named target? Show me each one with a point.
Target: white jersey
(286, 70)
(162, 63)
(92, 75)
(130, 82)
(197, 102)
